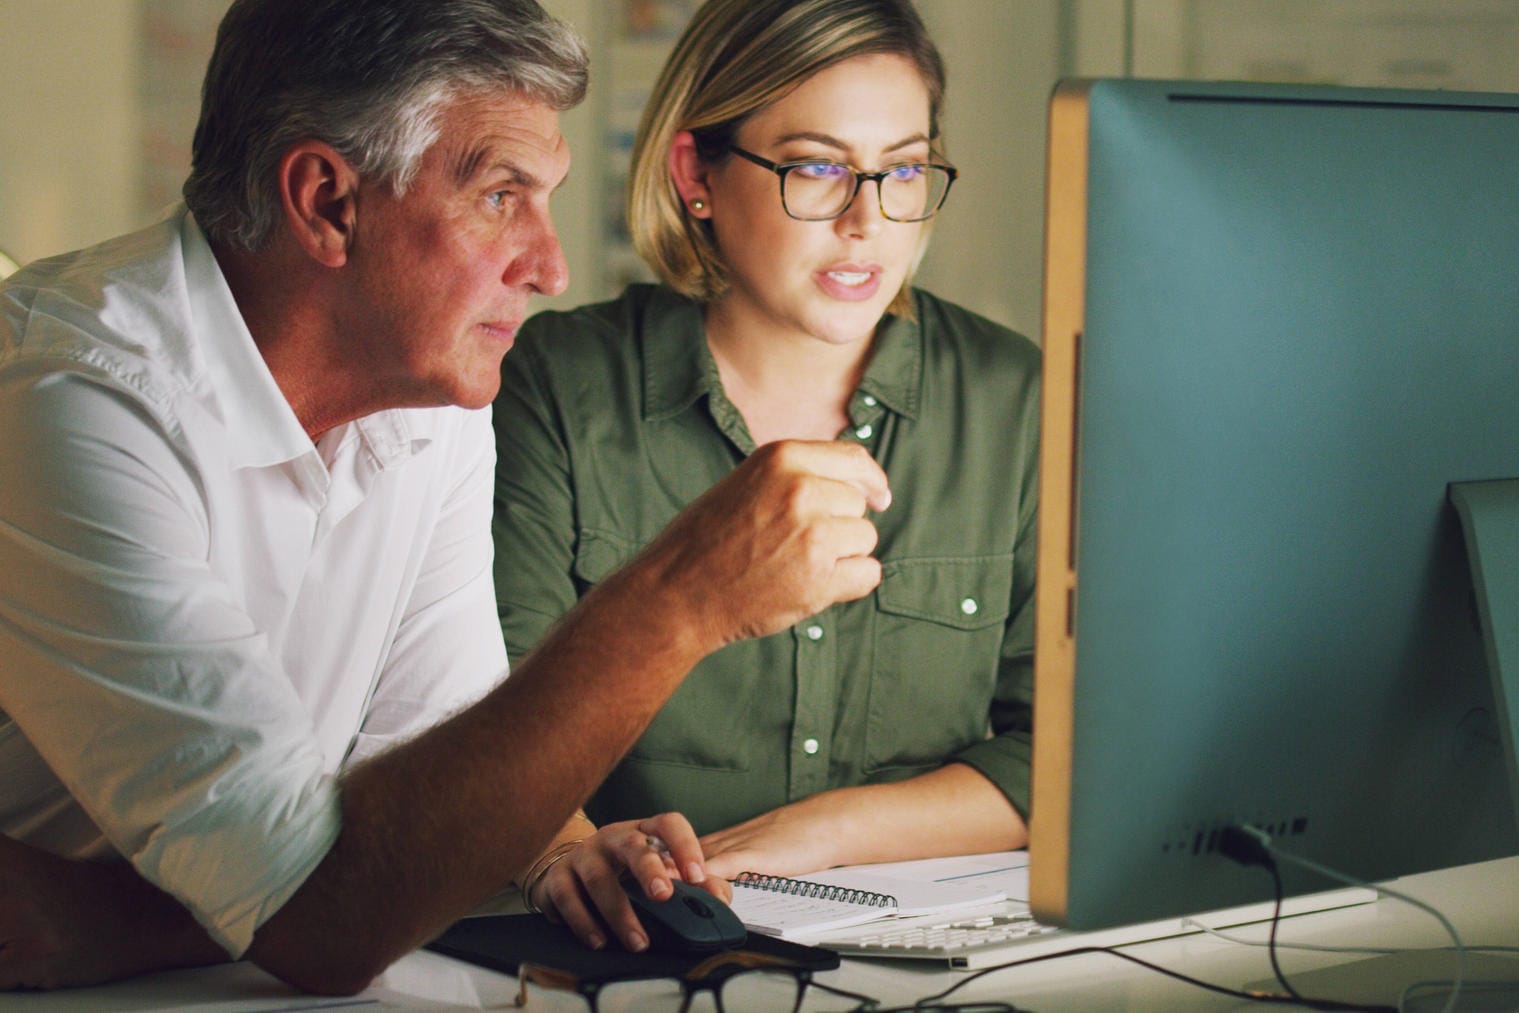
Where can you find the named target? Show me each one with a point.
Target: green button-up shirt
(611, 418)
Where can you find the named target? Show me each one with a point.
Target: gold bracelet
(541, 867)
(531, 876)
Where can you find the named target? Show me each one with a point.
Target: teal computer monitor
(1280, 323)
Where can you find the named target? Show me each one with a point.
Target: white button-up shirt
(203, 617)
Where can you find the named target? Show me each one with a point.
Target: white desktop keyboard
(964, 938)
(1007, 932)
(969, 940)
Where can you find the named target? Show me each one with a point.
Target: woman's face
(831, 280)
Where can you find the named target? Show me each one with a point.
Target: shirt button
(864, 432)
(969, 606)
(814, 633)
(810, 747)
(870, 401)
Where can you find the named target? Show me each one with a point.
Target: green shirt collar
(895, 374)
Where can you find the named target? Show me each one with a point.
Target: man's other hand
(782, 537)
(65, 924)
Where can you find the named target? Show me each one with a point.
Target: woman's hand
(953, 810)
(794, 839)
(583, 890)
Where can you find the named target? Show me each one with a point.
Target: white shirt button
(870, 401)
(969, 606)
(814, 633)
(864, 431)
(810, 747)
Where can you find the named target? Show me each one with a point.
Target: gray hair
(368, 77)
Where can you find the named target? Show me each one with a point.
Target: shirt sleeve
(1005, 758)
(134, 671)
(533, 525)
(447, 650)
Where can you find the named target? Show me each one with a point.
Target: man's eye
(498, 198)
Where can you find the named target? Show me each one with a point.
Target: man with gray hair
(248, 640)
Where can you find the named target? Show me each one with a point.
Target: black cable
(1248, 849)
(1323, 870)
(866, 1002)
(1276, 919)
(1245, 847)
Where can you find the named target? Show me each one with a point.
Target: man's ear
(318, 188)
(689, 174)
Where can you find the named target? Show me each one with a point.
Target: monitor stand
(1490, 519)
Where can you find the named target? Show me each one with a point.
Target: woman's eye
(907, 173)
(821, 170)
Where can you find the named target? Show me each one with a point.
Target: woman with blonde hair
(783, 180)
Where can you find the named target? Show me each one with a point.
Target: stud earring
(698, 204)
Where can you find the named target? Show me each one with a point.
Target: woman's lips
(850, 282)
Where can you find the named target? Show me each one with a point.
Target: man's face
(445, 270)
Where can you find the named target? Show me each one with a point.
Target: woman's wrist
(574, 833)
(541, 867)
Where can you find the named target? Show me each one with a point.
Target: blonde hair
(735, 58)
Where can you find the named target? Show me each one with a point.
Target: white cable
(1239, 940)
(1263, 943)
(1475, 985)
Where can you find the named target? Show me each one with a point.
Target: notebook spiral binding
(822, 891)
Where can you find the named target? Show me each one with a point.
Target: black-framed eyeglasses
(817, 190)
(736, 980)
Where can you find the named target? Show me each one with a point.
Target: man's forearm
(430, 829)
(436, 825)
(440, 823)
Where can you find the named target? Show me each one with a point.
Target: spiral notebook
(845, 897)
(777, 906)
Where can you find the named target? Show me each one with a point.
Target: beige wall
(68, 123)
(1003, 57)
(70, 141)
(73, 155)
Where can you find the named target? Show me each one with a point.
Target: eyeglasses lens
(756, 990)
(822, 190)
(762, 990)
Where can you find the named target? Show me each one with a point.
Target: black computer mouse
(691, 920)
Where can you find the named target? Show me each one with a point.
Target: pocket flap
(965, 592)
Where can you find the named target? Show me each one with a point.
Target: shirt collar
(895, 373)
(679, 368)
(677, 364)
(262, 428)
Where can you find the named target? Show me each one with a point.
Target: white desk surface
(1481, 900)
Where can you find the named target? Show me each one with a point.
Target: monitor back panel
(1278, 322)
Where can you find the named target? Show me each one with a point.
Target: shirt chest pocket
(935, 647)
